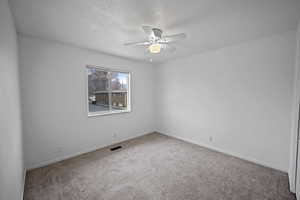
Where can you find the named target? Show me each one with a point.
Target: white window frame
(109, 112)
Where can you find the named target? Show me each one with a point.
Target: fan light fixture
(155, 48)
(157, 42)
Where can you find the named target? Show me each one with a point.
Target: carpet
(156, 167)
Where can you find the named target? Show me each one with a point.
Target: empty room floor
(156, 167)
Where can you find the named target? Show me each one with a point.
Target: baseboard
(292, 183)
(24, 180)
(94, 148)
(237, 155)
(64, 157)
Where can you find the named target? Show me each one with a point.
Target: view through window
(108, 91)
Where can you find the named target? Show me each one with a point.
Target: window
(108, 91)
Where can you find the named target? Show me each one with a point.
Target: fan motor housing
(156, 33)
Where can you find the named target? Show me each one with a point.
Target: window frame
(110, 111)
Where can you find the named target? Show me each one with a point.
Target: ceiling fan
(156, 41)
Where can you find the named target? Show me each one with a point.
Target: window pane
(119, 100)
(108, 91)
(98, 80)
(98, 90)
(99, 102)
(119, 81)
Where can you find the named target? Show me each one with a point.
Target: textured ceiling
(104, 25)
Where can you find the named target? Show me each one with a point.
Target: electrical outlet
(210, 138)
(115, 136)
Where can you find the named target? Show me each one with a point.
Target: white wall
(295, 116)
(240, 96)
(296, 139)
(53, 91)
(11, 157)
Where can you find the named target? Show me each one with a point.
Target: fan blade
(169, 48)
(147, 30)
(143, 43)
(173, 38)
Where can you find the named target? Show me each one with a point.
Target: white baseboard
(235, 154)
(65, 157)
(24, 179)
(292, 183)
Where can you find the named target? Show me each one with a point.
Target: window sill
(95, 114)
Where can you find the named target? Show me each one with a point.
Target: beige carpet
(156, 167)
